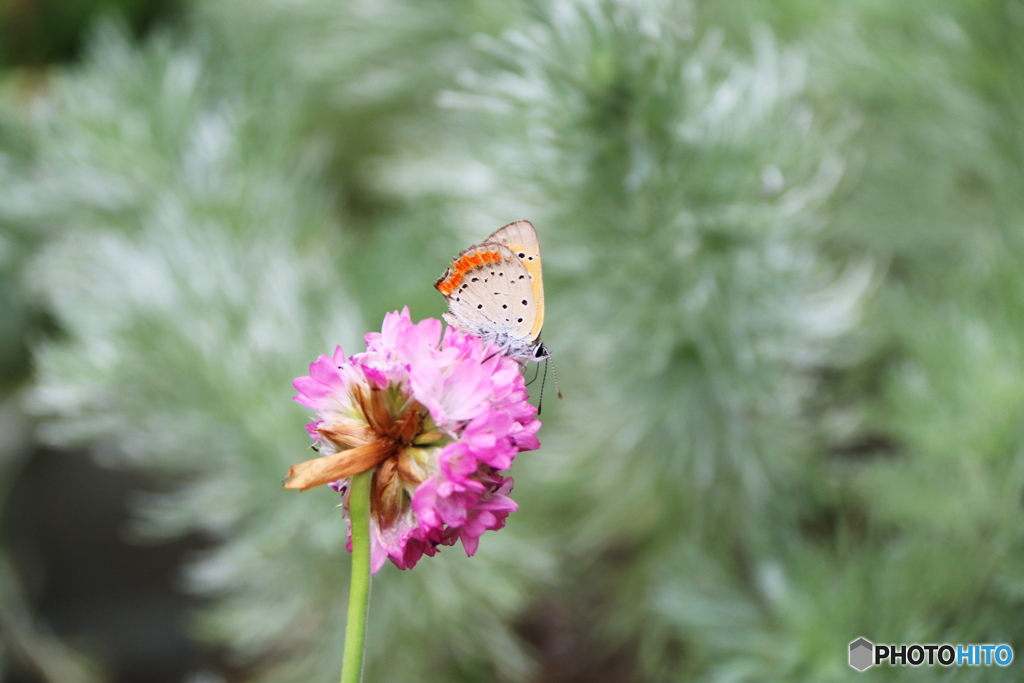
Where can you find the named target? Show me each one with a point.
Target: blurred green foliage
(782, 246)
(35, 33)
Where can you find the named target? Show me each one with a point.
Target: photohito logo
(865, 654)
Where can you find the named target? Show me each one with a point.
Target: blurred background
(783, 247)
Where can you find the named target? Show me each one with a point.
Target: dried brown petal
(407, 468)
(408, 426)
(386, 493)
(375, 408)
(348, 434)
(328, 468)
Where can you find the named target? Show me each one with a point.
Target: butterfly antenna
(535, 373)
(558, 389)
(540, 401)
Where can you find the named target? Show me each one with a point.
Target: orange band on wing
(447, 285)
(475, 259)
(465, 263)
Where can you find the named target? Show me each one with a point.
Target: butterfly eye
(540, 352)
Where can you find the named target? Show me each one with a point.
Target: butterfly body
(494, 291)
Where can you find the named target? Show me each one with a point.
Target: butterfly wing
(520, 237)
(490, 295)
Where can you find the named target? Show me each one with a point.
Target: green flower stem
(359, 590)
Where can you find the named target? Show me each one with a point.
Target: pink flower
(437, 417)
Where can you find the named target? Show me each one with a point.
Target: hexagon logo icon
(862, 654)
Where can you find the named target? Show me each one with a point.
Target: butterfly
(495, 292)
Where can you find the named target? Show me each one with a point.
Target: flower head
(437, 417)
